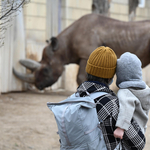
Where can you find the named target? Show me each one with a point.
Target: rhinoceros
(75, 44)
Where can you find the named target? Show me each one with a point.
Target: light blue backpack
(78, 124)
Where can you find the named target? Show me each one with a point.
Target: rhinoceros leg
(81, 77)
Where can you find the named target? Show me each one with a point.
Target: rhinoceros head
(46, 72)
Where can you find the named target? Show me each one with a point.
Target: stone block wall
(35, 20)
(143, 13)
(119, 9)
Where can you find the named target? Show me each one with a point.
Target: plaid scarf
(107, 110)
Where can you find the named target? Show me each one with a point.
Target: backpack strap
(73, 100)
(78, 101)
(92, 95)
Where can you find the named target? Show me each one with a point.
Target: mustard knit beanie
(102, 62)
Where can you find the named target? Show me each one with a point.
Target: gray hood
(143, 96)
(129, 72)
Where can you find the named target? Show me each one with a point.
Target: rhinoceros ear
(54, 43)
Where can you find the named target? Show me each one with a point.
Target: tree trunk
(133, 4)
(101, 7)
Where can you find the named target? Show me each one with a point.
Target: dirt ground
(26, 123)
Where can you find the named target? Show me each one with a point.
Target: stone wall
(35, 28)
(119, 9)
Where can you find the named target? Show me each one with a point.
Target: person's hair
(94, 78)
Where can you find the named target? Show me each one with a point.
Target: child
(133, 94)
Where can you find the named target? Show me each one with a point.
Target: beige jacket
(133, 104)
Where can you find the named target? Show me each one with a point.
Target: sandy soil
(26, 123)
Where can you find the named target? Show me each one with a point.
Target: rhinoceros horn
(30, 64)
(24, 77)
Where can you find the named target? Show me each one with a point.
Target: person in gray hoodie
(133, 94)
